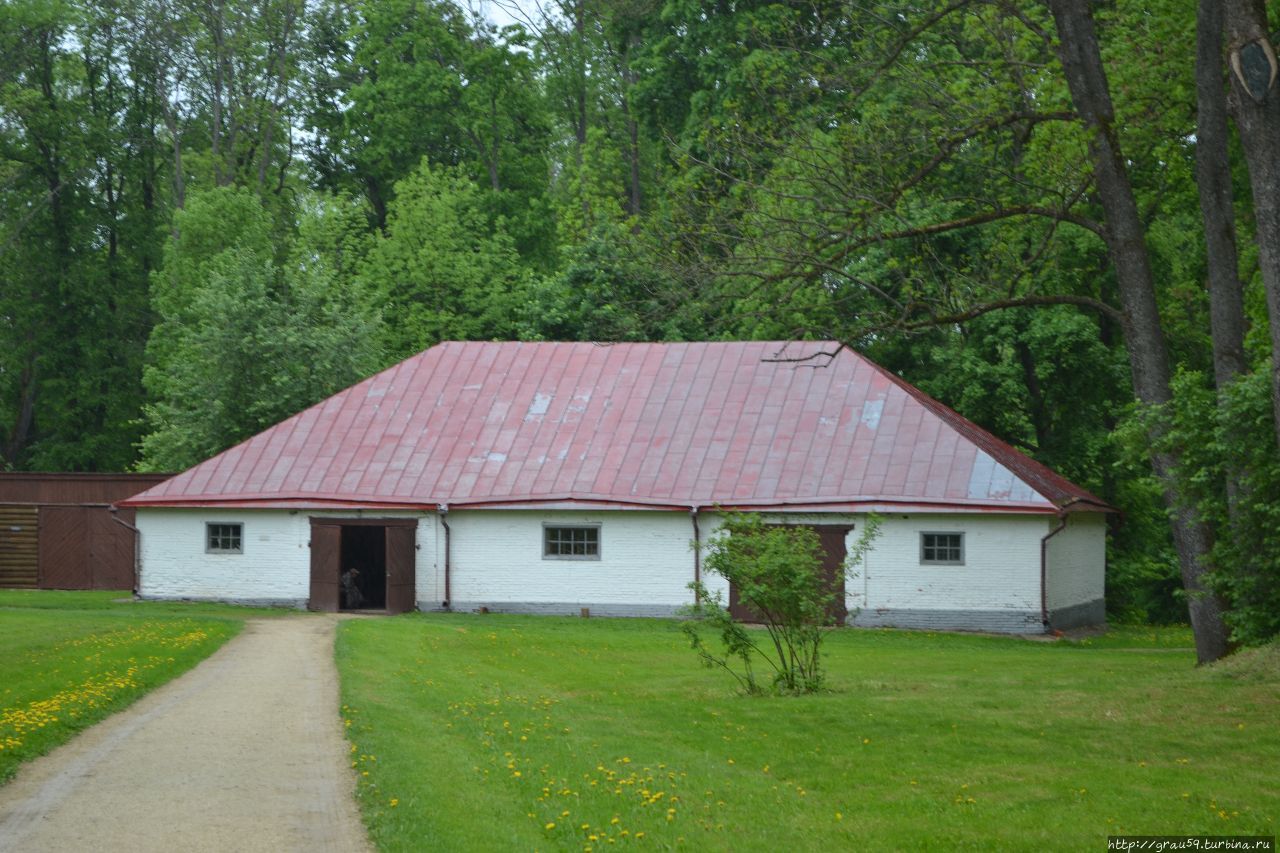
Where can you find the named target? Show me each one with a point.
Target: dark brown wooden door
(831, 537)
(111, 549)
(326, 553)
(834, 553)
(401, 557)
(64, 548)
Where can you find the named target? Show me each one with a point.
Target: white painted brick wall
(496, 556)
(646, 559)
(275, 565)
(1076, 561)
(1001, 569)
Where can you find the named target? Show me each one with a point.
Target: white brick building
(549, 478)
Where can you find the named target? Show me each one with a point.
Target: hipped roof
(665, 425)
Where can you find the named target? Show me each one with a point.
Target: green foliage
(1231, 434)
(401, 81)
(611, 288)
(444, 271)
(241, 342)
(776, 572)
(78, 229)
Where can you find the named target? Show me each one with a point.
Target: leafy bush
(776, 571)
(1230, 477)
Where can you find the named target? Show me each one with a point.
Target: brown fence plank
(19, 538)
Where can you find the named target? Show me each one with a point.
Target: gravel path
(245, 752)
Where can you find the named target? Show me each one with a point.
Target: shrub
(776, 571)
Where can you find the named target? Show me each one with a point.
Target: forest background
(1058, 218)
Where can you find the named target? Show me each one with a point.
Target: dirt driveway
(245, 752)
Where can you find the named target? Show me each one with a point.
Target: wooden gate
(65, 562)
(832, 539)
(82, 547)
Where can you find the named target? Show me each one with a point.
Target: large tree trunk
(1148, 357)
(1259, 126)
(1213, 181)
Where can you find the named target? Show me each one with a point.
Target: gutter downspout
(1044, 565)
(697, 545)
(443, 511)
(137, 547)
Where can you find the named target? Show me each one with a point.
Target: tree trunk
(633, 132)
(1213, 180)
(1144, 338)
(1259, 126)
(20, 433)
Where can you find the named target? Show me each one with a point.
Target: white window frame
(548, 526)
(925, 561)
(208, 537)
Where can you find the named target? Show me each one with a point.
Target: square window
(942, 549)
(578, 542)
(224, 538)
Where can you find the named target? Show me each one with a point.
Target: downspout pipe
(137, 547)
(443, 511)
(697, 545)
(1044, 566)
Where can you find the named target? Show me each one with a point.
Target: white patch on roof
(494, 456)
(989, 480)
(539, 406)
(871, 411)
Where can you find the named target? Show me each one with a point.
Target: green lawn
(69, 659)
(495, 732)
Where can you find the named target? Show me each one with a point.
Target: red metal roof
(759, 424)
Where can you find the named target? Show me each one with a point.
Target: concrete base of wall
(1079, 615)
(288, 603)
(994, 621)
(558, 608)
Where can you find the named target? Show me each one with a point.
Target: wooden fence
(57, 531)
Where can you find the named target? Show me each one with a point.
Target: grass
(69, 659)
(498, 732)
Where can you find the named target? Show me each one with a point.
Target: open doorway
(364, 548)
(382, 550)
